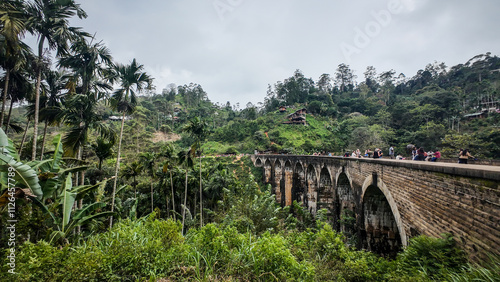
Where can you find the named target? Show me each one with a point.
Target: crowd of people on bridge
(416, 154)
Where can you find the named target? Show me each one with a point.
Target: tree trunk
(185, 201)
(201, 197)
(82, 182)
(5, 89)
(43, 140)
(117, 167)
(152, 195)
(173, 196)
(8, 116)
(24, 137)
(37, 106)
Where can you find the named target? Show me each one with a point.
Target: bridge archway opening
(324, 198)
(380, 233)
(258, 163)
(345, 207)
(299, 187)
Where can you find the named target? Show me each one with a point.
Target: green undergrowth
(154, 249)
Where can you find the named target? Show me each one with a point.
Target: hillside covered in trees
(109, 180)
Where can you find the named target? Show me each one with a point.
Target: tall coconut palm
(49, 21)
(198, 129)
(131, 78)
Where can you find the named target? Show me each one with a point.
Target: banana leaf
(7, 147)
(23, 174)
(58, 153)
(68, 199)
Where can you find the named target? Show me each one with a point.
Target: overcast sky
(235, 48)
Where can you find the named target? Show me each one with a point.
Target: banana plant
(23, 174)
(48, 179)
(62, 214)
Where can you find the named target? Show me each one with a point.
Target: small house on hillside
(282, 109)
(298, 117)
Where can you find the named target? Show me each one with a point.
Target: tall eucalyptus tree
(131, 78)
(49, 21)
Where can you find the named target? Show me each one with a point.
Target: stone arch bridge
(385, 202)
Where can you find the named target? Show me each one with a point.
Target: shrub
(432, 256)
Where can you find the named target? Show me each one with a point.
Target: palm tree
(48, 20)
(20, 87)
(198, 129)
(185, 159)
(148, 162)
(81, 115)
(168, 153)
(51, 104)
(103, 150)
(132, 171)
(12, 28)
(131, 79)
(90, 64)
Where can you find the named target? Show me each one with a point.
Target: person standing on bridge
(391, 152)
(464, 156)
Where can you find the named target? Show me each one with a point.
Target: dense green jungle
(104, 178)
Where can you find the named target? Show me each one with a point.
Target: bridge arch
(325, 191)
(382, 227)
(258, 162)
(345, 205)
